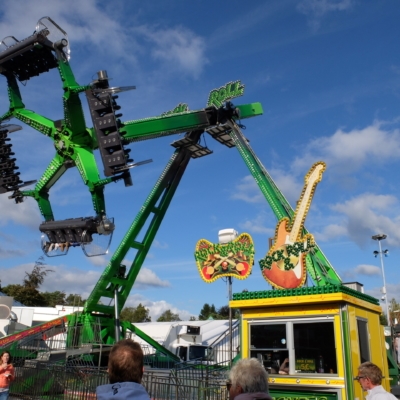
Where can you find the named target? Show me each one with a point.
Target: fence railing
(61, 363)
(52, 382)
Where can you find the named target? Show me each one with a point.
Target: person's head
(5, 357)
(369, 375)
(247, 376)
(125, 362)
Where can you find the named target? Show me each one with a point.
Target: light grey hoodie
(122, 391)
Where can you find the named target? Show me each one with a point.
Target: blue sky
(328, 76)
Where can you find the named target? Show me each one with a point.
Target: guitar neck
(301, 211)
(312, 178)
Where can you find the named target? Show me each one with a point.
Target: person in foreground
(370, 379)
(125, 371)
(248, 380)
(7, 375)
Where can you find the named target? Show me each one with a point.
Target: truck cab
(187, 344)
(194, 352)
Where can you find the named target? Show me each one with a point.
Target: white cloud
(156, 308)
(349, 151)
(178, 48)
(147, 278)
(159, 245)
(248, 191)
(87, 23)
(74, 280)
(288, 184)
(364, 218)
(10, 253)
(317, 9)
(257, 225)
(99, 261)
(330, 232)
(365, 269)
(352, 274)
(392, 290)
(25, 213)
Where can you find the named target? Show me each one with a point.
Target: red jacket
(5, 380)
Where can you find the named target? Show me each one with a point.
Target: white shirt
(379, 393)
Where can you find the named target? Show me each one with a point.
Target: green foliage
(74, 300)
(135, 314)
(28, 296)
(28, 293)
(54, 298)
(208, 312)
(36, 277)
(223, 312)
(168, 315)
(383, 319)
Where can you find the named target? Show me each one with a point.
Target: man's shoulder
(379, 393)
(120, 391)
(253, 396)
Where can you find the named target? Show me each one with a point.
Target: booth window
(363, 339)
(308, 344)
(268, 343)
(314, 346)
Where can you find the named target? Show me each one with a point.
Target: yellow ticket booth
(312, 339)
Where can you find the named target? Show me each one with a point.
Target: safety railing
(52, 382)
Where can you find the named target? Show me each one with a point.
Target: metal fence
(61, 363)
(52, 381)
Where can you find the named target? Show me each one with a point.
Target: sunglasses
(358, 377)
(228, 386)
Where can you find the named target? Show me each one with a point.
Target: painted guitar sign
(284, 265)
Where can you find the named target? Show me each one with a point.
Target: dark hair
(371, 371)
(125, 362)
(6, 352)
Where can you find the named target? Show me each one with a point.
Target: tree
(208, 311)
(28, 293)
(74, 300)
(54, 298)
(223, 312)
(394, 311)
(36, 277)
(28, 296)
(192, 318)
(168, 315)
(135, 314)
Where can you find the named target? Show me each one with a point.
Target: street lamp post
(380, 237)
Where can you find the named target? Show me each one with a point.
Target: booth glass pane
(269, 336)
(314, 344)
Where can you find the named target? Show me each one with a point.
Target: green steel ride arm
(318, 267)
(165, 125)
